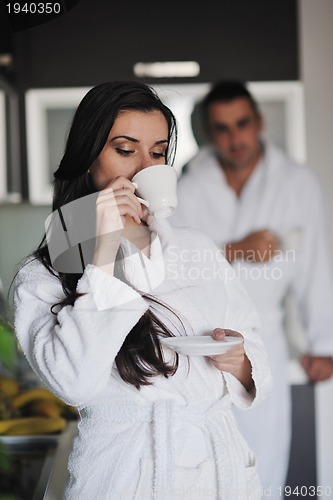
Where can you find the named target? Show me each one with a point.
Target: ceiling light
(167, 69)
(5, 59)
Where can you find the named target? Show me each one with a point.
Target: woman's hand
(234, 360)
(114, 204)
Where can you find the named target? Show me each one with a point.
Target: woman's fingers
(121, 200)
(233, 356)
(234, 360)
(114, 203)
(120, 183)
(219, 333)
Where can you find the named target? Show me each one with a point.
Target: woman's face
(137, 140)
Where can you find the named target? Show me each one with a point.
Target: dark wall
(101, 40)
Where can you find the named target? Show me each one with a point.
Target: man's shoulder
(292, 171)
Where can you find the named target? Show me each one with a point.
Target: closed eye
(124, 152)
(158, 155)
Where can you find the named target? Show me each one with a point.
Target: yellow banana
(9, 386)
(31, 394)
(45, 408)
(31, 426)
(70, 413)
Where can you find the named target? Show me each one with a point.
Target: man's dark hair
(227, 91)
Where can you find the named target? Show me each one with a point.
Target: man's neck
(238, 177)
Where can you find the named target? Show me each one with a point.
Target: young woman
(154, 424)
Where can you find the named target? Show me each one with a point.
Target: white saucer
(201, 345)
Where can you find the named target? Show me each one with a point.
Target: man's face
(235, 131)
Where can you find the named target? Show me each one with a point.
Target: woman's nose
(146, 161)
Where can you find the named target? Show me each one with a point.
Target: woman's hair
(140, 356)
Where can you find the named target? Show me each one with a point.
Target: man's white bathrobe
(176, 438)
(281, 196)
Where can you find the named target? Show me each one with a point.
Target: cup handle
(143, 202)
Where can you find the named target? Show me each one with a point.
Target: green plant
(8, 365)
(8, 351)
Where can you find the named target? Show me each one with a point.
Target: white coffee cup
(157, 185)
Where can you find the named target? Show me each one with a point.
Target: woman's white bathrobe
(176, 438)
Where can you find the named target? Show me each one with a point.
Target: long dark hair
(140, 357)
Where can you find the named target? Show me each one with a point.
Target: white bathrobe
(176, 438)
(282, 196)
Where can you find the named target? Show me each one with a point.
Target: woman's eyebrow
(128, 138)
(125, 137)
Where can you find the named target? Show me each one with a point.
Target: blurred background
(283, 48)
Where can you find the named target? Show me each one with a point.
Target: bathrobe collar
(146, 273)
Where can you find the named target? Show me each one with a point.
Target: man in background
(267, 214)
